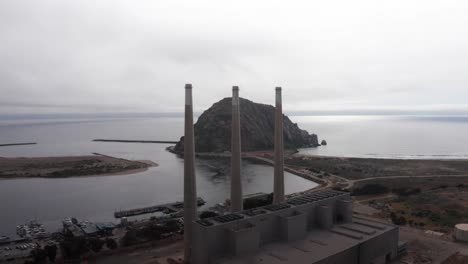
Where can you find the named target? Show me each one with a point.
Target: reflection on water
(96, 198)
(405, 137)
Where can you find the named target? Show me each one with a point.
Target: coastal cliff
(213, 129)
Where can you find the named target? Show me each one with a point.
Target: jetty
(18, 144)
(165, 208)
(136, 141)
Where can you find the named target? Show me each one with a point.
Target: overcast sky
(74, 56)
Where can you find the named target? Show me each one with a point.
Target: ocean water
(400, 137)
(95, 198)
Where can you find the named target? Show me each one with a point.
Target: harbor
(32, 229)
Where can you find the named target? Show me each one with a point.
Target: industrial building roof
(306, 198)
(317, 245)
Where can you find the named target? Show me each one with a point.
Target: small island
(72, 166)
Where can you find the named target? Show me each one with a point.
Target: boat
(32, 229)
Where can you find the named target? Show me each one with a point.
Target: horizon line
(198, 113)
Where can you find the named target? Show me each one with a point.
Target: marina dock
(165, 208)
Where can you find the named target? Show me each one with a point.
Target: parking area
(16, 251)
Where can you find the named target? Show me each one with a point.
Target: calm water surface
(402, 137)
(96, 198)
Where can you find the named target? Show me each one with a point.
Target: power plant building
(317, 227)
(314, 227)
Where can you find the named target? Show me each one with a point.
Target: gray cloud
(114, 56)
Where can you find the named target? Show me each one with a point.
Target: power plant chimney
(190, 192)
(236, 184)
(278, 188)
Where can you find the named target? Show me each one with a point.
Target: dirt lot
(57, 167)
(427, 249)
(456, 258)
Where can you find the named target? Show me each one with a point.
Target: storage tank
(461, 232)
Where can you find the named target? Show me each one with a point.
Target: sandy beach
(69, 166)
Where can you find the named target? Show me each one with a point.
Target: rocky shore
(213, 129)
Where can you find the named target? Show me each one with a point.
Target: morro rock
(213, 129)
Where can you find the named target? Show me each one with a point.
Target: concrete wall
(325, 216)
(349, 256)
(266, 226)
(289, 224)
(244, 239)
(344, 210)
(373, 250)
(293, 226)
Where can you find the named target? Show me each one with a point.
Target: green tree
(39, 255)
(73, 247)
(95, 244)
(51, 252)
(130, 238)
(111, 244)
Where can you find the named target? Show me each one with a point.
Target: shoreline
(344, 172)
(422, 157)
(297, 153)
(120, 173)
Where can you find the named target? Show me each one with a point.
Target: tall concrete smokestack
(190, 192)
(236, 184)
(278, 188)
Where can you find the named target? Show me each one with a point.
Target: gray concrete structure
(312, 228)
(345, 210)
(190, 193)
(278, 188)
(461, 232)
(236, 184)
(324, 216)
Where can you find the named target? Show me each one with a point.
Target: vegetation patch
(370, 189)
(358, 168)
(60, 167)
(439, 209)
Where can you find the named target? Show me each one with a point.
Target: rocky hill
(213, 129)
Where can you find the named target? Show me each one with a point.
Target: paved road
(332, 180)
